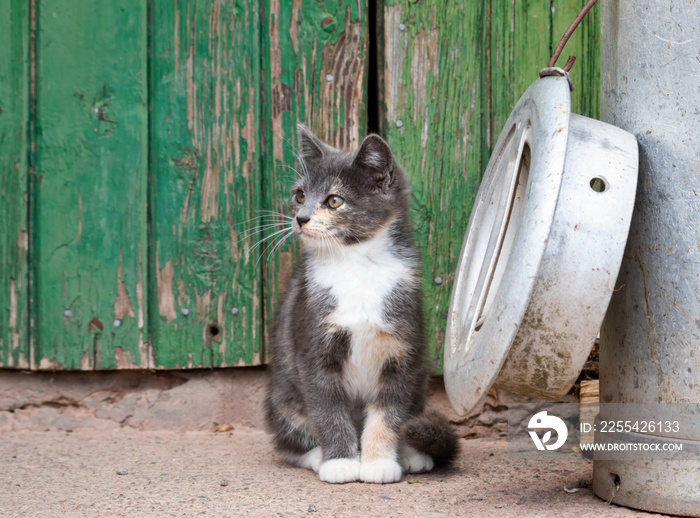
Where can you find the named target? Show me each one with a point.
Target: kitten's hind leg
(431, 435)
(312, 459)
(293, 437)
(414, 461)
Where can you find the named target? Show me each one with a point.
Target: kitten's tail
(431, 433)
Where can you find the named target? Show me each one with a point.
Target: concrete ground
(126, 472)
(66, 437)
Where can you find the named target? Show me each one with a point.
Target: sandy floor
(237, 474)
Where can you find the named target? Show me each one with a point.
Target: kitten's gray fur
(348, 356)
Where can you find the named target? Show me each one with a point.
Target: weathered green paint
(451, 78)
(14, 121)
(315, 72)
(205, 183)
(161, 247)
(91, 166)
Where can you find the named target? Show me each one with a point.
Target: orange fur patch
(378, 440)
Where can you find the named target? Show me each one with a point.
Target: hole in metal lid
(598, 184)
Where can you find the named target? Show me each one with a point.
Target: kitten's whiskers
(268, 237)
(276, 243)
(337, 243)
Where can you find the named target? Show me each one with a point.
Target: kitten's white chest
(359, 280)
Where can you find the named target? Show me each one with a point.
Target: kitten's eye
(334, 201)
(301, 197)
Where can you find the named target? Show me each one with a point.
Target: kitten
(348, 356)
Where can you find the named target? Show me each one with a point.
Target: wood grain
(205, 191)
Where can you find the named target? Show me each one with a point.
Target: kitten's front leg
(379, 464)
(330, 411)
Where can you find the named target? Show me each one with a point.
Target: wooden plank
(435, 120)
(14, 120)
(90, 204)
(315, 71)
(205, 99)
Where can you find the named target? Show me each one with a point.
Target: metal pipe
(650, 341)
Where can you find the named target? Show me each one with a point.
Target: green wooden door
(140, 141)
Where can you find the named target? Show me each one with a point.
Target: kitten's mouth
(306, 234)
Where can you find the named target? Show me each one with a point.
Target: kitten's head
(346, 197)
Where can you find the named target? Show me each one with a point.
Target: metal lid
(552, 213)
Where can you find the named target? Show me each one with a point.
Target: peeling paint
(12, 324)
(123, 358)
(202, 304)
(49, 365)
(122, 304)
(86, 360)
(210, 191)
(166, 300)
(209, 179)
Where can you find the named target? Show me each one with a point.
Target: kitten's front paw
(414, 461)
(380, 471)
(339, 471)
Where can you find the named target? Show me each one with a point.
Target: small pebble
(224, 482)
(312, 508)
(122, 471)
(583, 483)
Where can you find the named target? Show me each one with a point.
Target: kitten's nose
(302, 219)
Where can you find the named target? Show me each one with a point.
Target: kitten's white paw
(312, 459)
(339, 471)
(414, 461)
(380, 471)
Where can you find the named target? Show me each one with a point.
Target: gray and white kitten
(348, 356)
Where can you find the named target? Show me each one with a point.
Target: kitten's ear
(376, 160)
(310, 146)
